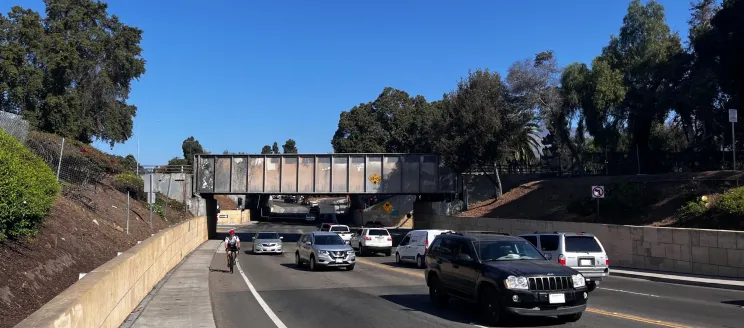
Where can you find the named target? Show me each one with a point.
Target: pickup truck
(343, 231)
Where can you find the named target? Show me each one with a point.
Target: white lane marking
(278, 322)
(629, 292)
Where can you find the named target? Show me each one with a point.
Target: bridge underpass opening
(356, 175)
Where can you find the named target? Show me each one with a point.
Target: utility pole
(733, 119)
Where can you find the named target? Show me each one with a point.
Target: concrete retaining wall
(108, 294)
(707, 252)
(233, 217)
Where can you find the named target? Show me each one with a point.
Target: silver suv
(324, 249)
(578, 250)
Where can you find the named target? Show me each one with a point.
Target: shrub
(692, 209)
(132, 183)
(621, 199)
(731, 203)
(28, 189)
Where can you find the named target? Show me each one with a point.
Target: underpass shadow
(735, 303)
(461, 312)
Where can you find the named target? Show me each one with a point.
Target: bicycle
(231, 258)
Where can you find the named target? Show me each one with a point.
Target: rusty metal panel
(206, 175)
(356, 174)
(239, 179)
(339, 172)
(307, 168)
(289, 174)
(323, 174)
(391, 174)
(255, 174)
(222, 174)
(273, 171)
(374, 174)
(410, 171)
(429, 174)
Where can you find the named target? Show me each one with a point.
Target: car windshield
(340, 229)
(329, 240)
(508, 250)
(268, 235)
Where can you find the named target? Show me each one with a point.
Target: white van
(413, 246)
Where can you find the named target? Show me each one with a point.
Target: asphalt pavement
(272, 292)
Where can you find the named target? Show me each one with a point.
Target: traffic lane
(369, 297)
(637, 306)
(668, 290)
(229, 294)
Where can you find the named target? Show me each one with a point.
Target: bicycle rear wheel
(232, 262)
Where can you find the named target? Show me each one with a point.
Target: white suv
(581, 251)
(372, 240)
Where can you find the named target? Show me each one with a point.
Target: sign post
(597, 193)
(733, 119)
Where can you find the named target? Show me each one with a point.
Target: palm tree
(526, 143)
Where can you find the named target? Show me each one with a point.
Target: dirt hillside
(549, 199)
(85, 229)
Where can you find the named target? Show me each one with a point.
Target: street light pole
(733, 119)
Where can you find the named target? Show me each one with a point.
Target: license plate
(557, 298)
(379, 237)
(339, 260)
(585, 262)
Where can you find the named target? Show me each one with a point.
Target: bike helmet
(232, 232)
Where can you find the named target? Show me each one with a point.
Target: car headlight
(513, 282)
(349, 252)
(578, 280)
(323, 252)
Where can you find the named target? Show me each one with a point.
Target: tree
(290, 147)
(76, 67)
(190, 148)
(266, 150)
(275, 148)
(175, 161)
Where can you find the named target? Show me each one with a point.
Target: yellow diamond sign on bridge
(388, 207)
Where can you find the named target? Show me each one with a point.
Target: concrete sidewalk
(682, 279)
(182, 298)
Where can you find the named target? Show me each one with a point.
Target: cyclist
(232, 244)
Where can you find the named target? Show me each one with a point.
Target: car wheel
(489, 305)
(349, 268)
(397, 258)
(570, 317)
(298, 261)
(591, 286)
(436, 294)
(313, 266)
(419, 261)
(362, 252)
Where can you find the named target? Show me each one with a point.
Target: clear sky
(238, 74)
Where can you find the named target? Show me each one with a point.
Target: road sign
(733, 116)
(388, 207)
(394, 213)
(598, 192)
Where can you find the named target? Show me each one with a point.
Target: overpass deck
(326, 174)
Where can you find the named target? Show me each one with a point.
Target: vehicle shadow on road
(402, 265)
(460, 311)
(736, 303)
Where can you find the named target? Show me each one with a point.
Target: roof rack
(488, 232)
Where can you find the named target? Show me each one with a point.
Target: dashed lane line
(590, 310)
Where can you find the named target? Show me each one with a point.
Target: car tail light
(561, 259)
(390, 239)
(607, 261)
(367, 238)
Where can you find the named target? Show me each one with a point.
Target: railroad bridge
(358, 175)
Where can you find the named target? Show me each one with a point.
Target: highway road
(272, 292)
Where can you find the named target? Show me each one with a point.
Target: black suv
(504, 275)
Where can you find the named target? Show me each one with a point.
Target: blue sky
(240, 74)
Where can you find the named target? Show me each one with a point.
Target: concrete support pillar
(423, 213)
(211, 207)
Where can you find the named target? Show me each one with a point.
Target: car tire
(436, 294)
(489, 306)
(591, 286)
(362, 251)
(298, 261)
(397, 258)
(570, 317)
(420, 261)
(350, 268)
(313, 265)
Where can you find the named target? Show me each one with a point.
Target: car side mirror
(348, 242)
(464, 257)
(308, 243)
(548, 256)
(280, 237)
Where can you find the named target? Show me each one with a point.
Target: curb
(678, 281)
